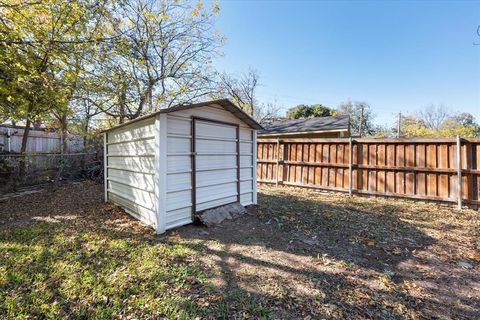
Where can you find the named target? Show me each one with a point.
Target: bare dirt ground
(302, 254)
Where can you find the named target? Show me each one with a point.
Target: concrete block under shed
(217, 215)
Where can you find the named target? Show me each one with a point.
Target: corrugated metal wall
(247, 172)
(216, 164)
(130, 169)
(179, 170)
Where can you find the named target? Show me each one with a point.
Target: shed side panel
(179, 171)
(246, 166)
(130, 165)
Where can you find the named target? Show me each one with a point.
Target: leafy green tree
(39, 40)
(309, 111)
(74, 60)
(299, 112)
(319, 110)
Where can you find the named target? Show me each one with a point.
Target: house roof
(319, 124)
(225, 103)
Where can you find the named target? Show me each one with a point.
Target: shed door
(215, 164)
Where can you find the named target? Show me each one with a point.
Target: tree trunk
(121, 117)
(22, 160)
(85, 133)
(63, 123)
(122, 102)
(27, 129)
(150, 96)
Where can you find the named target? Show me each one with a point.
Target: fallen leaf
(475, 256)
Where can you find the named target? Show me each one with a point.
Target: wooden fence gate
(410, 168)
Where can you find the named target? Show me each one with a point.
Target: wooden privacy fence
(39, 141)
(411, 168)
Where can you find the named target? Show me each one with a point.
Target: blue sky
(397, 56)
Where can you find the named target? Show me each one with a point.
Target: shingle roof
(333, 123)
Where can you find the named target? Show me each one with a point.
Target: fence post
(350, 166)
(459, 173)
(278, 162)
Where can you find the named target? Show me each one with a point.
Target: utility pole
(399, 125)
(360, 129)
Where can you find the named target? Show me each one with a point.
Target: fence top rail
(370, 140)
(44, 155)
(304, 140)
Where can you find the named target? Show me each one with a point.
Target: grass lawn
(301, 255)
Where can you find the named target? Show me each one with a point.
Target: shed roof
(225, 103)
(319, 124)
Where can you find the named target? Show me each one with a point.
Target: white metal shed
(166, 167)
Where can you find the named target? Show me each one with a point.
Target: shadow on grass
(328, 259)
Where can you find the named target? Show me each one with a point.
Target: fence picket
(409, 168)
